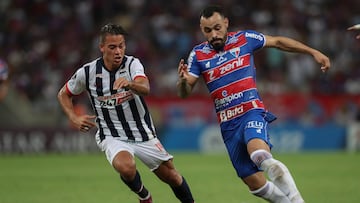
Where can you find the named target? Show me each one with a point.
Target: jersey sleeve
(137, 69)
(255, 39)
(76, 84)
(193, 65)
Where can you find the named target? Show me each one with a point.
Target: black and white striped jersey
(120, 113)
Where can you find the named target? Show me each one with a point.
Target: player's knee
(259, 156)
(264, 160)
(274, 168)
(126, 169)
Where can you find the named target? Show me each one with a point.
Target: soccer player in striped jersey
(116, 84)
(226, 62)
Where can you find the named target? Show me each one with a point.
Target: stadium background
(44, 42)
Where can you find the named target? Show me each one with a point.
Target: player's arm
(140, 85)
(80, 122)
(186, 82)
(291, 45)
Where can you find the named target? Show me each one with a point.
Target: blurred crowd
(45, 41)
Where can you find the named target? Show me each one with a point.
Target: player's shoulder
(202, 48)
(201, 45)
(130, 58)
(254, 34)
(90, 63)
(131, 61)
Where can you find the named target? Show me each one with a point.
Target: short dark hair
(208, 11)
(112, 29)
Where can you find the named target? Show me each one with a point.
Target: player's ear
(101, 47)
(226, 22)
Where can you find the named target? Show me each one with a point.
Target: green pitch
(321, 177)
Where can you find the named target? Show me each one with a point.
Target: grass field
(88, 178)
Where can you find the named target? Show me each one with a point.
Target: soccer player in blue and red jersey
(226, 62)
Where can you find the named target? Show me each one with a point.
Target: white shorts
(151, 152)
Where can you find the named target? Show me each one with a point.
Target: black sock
(136, 185)
(183, 192)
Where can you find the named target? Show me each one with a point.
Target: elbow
(60, 94)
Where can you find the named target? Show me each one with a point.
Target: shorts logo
(256, 125)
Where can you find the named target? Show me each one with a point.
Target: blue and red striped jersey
(230, 75)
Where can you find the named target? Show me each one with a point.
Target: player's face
(113, 50)
(214, 29)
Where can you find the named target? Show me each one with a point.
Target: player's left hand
(121, 83)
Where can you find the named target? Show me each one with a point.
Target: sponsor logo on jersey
(238, 110)
(231, 65)
(206, 50)
(227, 99)
(231, 113)
(115, 99)
(232, 39)
(235, 52)
(221, 59)
(207, 65)
(254, 36)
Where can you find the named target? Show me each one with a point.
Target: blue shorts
(253, 124)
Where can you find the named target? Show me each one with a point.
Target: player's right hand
(84, 122)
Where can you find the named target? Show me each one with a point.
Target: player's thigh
(237, 150)
(256, 132)
(119, 154)
(124, 163)
(152, 153)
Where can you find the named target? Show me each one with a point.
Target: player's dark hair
(208, 11)
(112, 29)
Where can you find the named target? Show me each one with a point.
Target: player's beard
(218, 44)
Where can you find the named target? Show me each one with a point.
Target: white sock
(147, 197)
(279, 174)
(271, 193)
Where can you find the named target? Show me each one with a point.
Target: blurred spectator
(4, 83)
(355, 27)
(43, 40)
